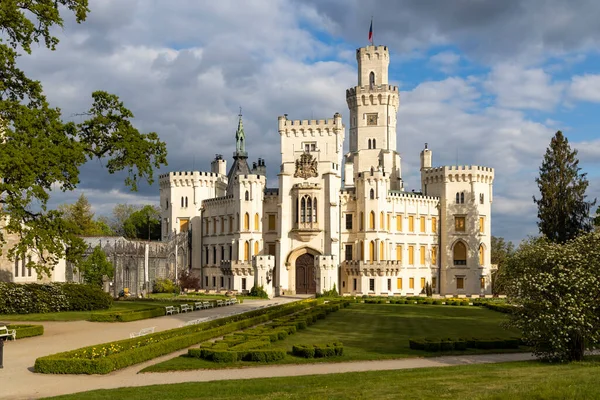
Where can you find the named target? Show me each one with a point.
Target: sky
(483, 82)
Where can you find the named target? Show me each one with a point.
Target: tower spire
(240, 137)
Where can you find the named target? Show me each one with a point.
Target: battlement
(217, 200)
(190, 178)
(411, 196)
(372, 53)
(320, 127)
(252, 178)
(458, 173)
(367, 89)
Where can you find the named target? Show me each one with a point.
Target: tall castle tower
(373, 106)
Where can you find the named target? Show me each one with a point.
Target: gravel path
(18, 381)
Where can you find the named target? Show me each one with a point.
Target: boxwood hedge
(108, 357)
(449, 344)
(318, 350)
(24, 331)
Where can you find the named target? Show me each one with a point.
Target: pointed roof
(240, 163)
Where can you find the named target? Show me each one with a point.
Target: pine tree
(563, 213)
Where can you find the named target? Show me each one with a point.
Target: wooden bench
(186, 308)
(170, 310)
(8, 333)
(142, 332)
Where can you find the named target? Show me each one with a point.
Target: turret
(218, 165)
(425, 158)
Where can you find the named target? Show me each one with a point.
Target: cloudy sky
(483, 82)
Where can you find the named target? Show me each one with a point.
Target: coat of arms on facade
(306, 167)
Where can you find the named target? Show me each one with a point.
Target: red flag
(371, 32)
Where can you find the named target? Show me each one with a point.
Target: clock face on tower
(371, 119)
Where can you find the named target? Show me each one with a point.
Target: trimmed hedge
(108, 357)
(318, 350)
(30, 298)
(449, 344)
(127, 316)
(24, 331)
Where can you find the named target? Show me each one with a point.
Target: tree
(563, 212)
(556, 290)
(597, 220)
(95, 266)
(500, 251)
(40, 152)
(81, 217)
(120, 214)
(144, 224)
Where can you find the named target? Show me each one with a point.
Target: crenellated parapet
(190, 179)
(458, 173)
(310, 128)
(373, 95)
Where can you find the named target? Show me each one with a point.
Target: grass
(376, 332)
(518, 380)
(82, 315)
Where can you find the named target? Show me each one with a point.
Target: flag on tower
(371, 32)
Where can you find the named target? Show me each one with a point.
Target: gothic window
(186, 202)
(362, 251)
(361, 221)
(460, 254)
(247, 196)
(256, 222)
(246, 222)
(246, 251)
(372, 220)
(372, 194)
(308, 209)
(371, 251)
(462, 198)
(457, 198)
(256, 248)
(381, 250)
(314, 210)
(374, 145)
(372, 79)
(369, 143)
(481, 255)
(303, 210)
(481, 198)
(381, 221)
(16, 266)
(181, 201)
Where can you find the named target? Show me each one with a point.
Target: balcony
(305, 231)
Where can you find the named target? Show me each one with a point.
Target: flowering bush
(52, 297)
(556, 291)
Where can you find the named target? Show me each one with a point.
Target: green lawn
(82, 315)
(376, 332)
(522, 380)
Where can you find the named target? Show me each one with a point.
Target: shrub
(318, 350)
(189, 281)
(164, 286)
(32, 298)
(127, 316)
(434, 345)
(24, 331)
(258, 291)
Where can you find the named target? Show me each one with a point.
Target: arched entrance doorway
(305, 277)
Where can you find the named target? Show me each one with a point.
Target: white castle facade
(337, 220)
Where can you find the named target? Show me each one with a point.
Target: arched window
(246, 251)
(462, 198)
(372, 194)
(362, 251)
(181, 201)
(371, 251)
(256, 248)
(381, 221)
(314, 210)
(372, 79)
(247, 196)
(308, 209)
(369, 143)
(457, 198)
(186, 203)
(256, 222)
(215, 255)
(481, 198)
(481, 255)
(246, 222)
(381, 249)
(372, 220)
(361, 222)
(460, 254)
(303, 210)
(374, 145)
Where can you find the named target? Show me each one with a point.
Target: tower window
(481, 198)
(369, 142)
(462, 198)
(374, 145)
(308, 147)
(457, 198)
(247, 196)
(372, 79)
(372, 194)
(460, 254)
(186, 201)
(181, 201)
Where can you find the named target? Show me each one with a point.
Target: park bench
(6, 333)
(220, 303)
(171, 310)
(198, 305)
(142, 332)
(186, 308)
(207, 304)
(233, 300)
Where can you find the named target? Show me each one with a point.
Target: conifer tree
(563, 212)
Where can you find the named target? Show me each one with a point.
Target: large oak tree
(39, 151)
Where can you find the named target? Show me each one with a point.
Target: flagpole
(373, 33)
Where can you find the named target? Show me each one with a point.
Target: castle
(336, 220)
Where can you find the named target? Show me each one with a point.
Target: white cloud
(446, 61)
(585, 87)
(521, 88)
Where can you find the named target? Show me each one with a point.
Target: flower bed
(108, 357)
(24, 331)
(434, 345)
(254, 344)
